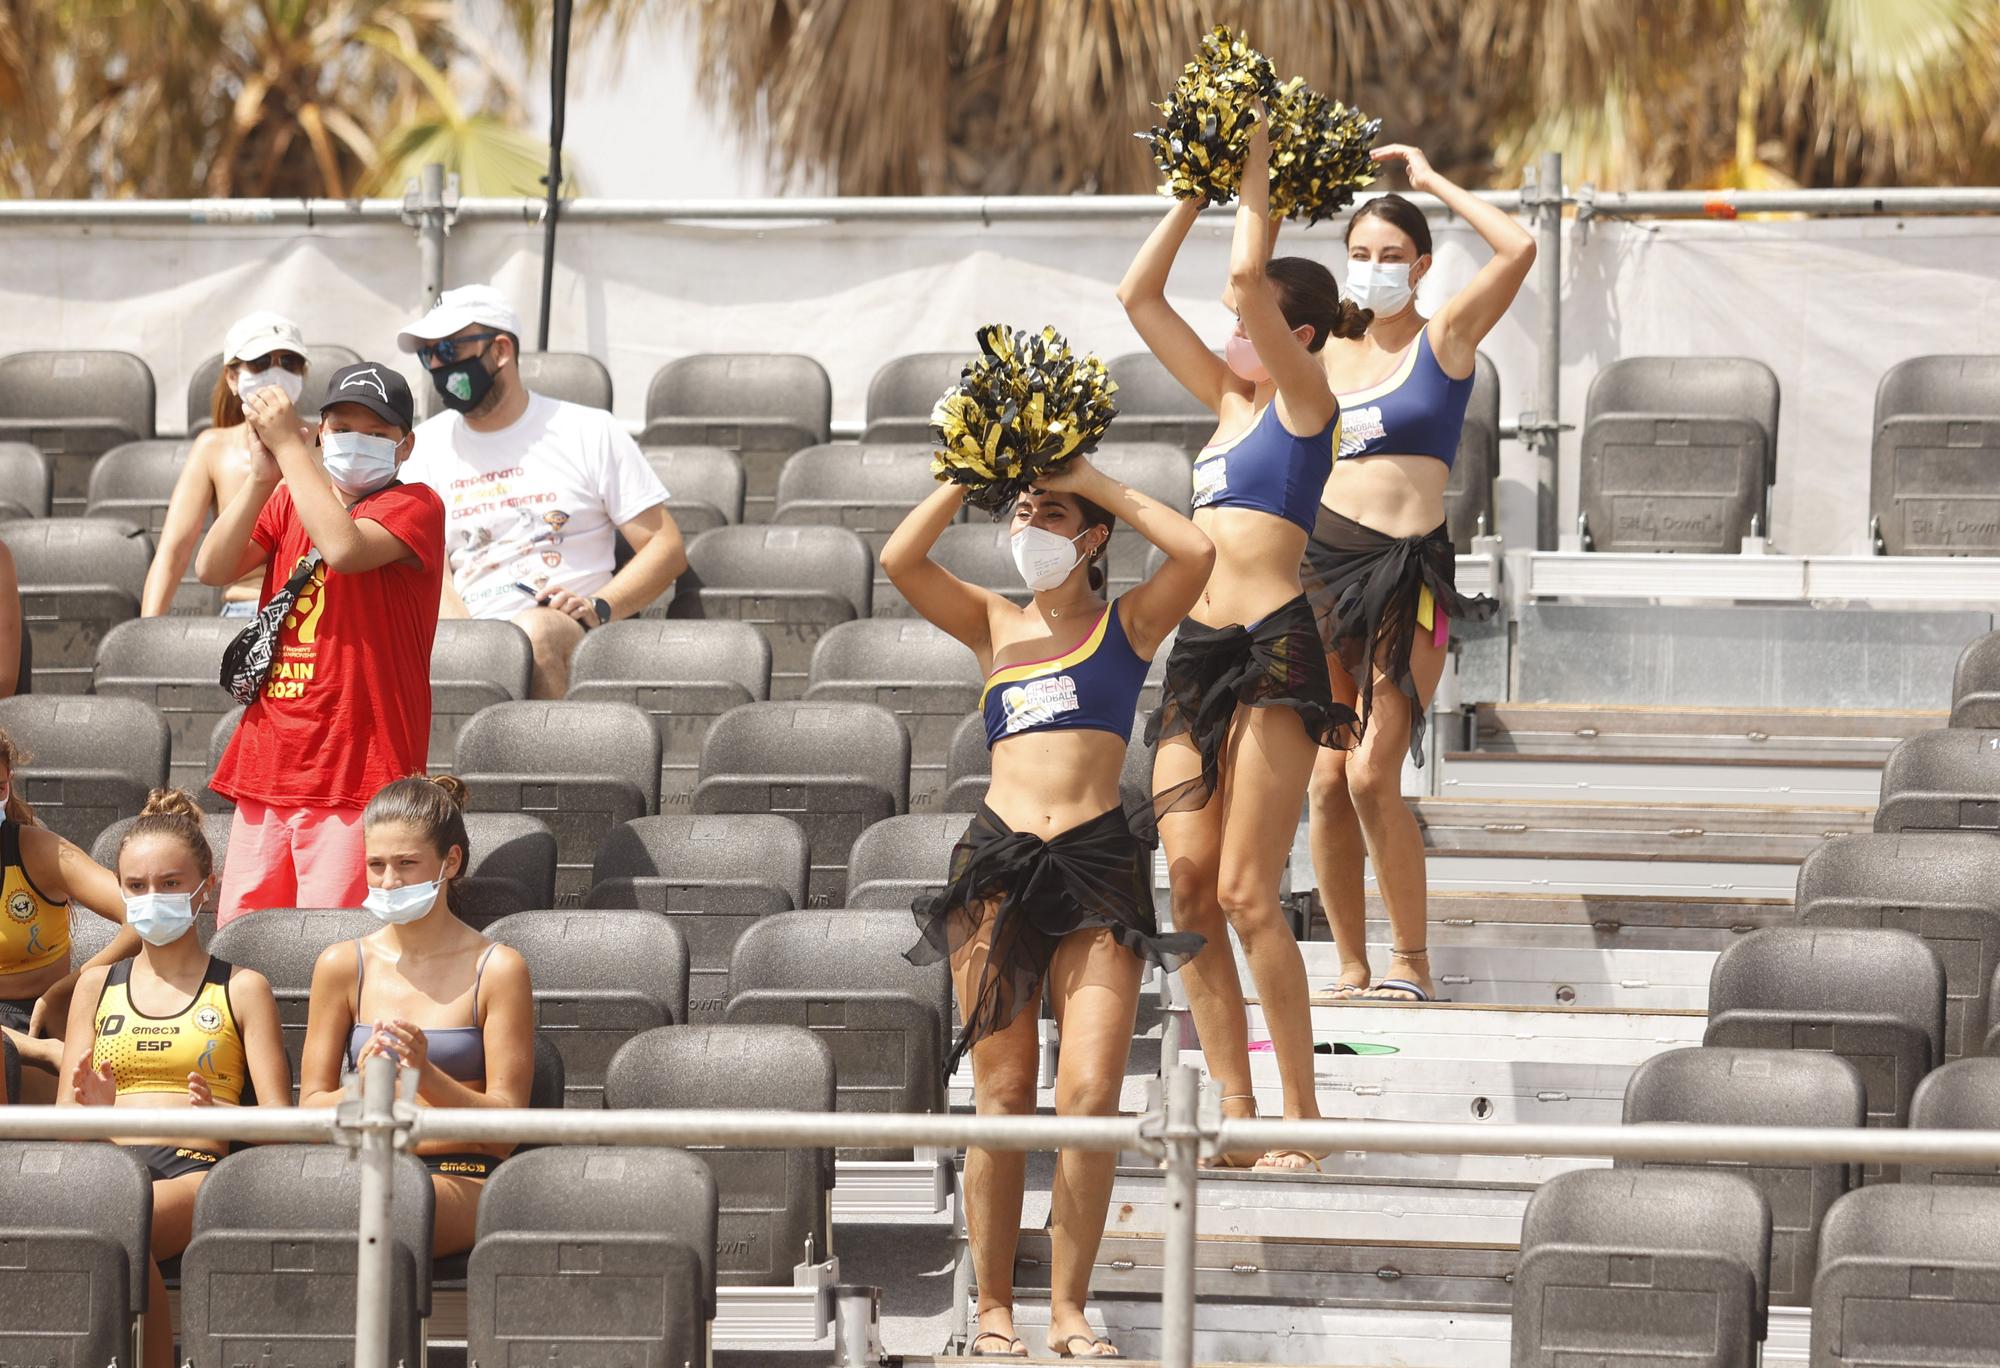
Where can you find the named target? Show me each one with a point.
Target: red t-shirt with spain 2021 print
(346, 708)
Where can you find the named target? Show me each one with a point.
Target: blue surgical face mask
(398, 906)
(358, 462)
(161, 918)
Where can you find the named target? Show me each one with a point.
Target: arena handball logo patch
(208, 1019)
(21, 907)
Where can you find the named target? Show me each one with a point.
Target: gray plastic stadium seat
(96, 759)
(74, 406)
(866, 489)
(792, 583)
(968, 769)
(902, 393)
(1713, 1086)
(580, 767)
(607, 1254)
(321, 363)
(1963, 1095)
(172, 664)
(761, 405)
(1679, 453)
(1875, 998)
(712, 877)
(1155, 469)
(283, 944)
(917, 671)
(76, 1220)
(773, 1202)
(79, 577)
(834, 768)
(1468, 494)
(1975, 684)
(600, 977)
(547, 1091)
(218, 745)
(979, 552)
(1910, 1277)
(573, 377)
(1155, 407)
(1943, 780)
(842, 975)
(133, 482)
(683, 675)
(475, 663)
(1944, 886)
(704, 485)
(1934, 484)
(513, 867)
(271, 1268)
(10, 1071)
(1641, 1267)
(901, 859)
(24, 481)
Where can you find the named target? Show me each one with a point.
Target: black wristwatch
(603, 611)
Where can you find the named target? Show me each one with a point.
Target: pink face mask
(1241, 356)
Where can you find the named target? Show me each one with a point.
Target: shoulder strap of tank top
(478, 973)
(360, 974)
(10, 844)
(217, 971)
(120, 975)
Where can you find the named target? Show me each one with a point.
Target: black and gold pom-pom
(1319, 153)
(1207, 118)
(1025, 405)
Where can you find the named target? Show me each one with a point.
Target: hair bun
(454, 789)
(171, 802)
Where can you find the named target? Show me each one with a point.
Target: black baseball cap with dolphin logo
(380, 389)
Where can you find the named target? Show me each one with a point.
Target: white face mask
(161, 918)
(1383, 286)
(1044, 559)
(358, 462)
(399, 906)
(248, 382)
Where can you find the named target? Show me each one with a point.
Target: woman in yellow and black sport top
(40, 873)
(172, 1027)
(1379, 567)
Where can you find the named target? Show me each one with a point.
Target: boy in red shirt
(346, 708)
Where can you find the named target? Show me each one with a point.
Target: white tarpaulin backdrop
(1827, 304)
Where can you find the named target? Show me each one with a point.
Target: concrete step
(1463, 1091)
(1427, 1032)
(1505, 775)
(1309, 1206)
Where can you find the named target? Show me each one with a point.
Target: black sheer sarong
(1095, 876)
(1364, 586)
(1276, 662)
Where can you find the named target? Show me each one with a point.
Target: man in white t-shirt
(534, 489)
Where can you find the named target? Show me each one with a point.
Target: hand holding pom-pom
(1025, 405)
(1207, 118)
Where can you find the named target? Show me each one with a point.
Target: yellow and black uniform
(149, 1054)
(34, 928)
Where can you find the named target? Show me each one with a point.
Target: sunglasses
(447, 349)
(291, 361)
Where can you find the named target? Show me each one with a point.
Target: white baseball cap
(465, 307)
(260, 334)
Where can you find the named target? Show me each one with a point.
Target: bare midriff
(1256, 570)
(168, 1099)
(31, 983)
(1049, 782)
(1398, 496)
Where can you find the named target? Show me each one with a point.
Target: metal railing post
(373, 1265)
(430, 231)
(1182, 1137)
(1548, 361)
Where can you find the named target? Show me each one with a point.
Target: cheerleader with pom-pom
(1049, 883)
(1247, 703)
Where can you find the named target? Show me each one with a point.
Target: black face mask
(463, 385)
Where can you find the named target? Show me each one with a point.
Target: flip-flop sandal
(1069, 1345)
(1014, 1349)
(1396, 990)
(1337, 992)
(1312, 1162)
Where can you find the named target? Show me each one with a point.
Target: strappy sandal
(1396, 989)
(1012, 1346)
(1229, 1161)
(1067, 1349)
(1313, 1161)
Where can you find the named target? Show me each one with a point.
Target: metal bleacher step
(1490, 775)
(1488, 966)
(1422, 1032)
(1729, 735)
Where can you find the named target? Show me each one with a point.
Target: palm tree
(286, 98)
(1004, 96)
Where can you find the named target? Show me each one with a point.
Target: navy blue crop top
(1269, 469)
(1094, 687)
(1417, 411)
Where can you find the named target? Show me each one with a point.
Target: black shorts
(479, 1166)
(176, 1161)
(15, 1013)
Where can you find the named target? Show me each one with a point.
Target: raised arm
(940, 597)
(1461, 325)
(1303, 394)
(228, 552)
(347, 544)
(1154, 609)
(1143, 292)
(194, 491)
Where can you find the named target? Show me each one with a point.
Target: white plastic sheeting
(1828, 304)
